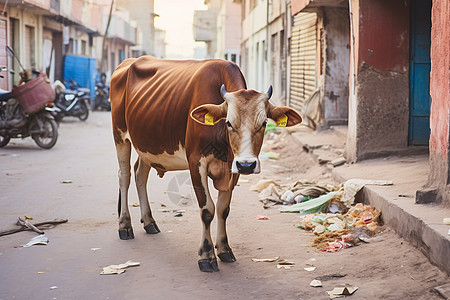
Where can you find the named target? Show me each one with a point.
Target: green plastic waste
(270, 127)
(319, 204)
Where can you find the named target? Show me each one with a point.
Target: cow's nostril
(246, 167)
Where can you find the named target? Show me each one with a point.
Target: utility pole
(104, 54)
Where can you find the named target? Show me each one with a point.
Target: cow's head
(245, 113)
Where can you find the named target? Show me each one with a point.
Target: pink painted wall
(439, 79)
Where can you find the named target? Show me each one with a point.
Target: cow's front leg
(207, 261)
(123, 156)
(141, 170)
(223, 208)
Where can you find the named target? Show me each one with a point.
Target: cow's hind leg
(207, 261)
(141, 170)
(223, 208)
(123, 156)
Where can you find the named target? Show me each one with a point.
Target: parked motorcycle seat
(5, 95)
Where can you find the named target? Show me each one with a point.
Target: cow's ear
(209, 114)
(284, 116)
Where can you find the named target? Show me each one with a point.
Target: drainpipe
(353, 44)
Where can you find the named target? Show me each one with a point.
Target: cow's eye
(263, 126)
(229, 124)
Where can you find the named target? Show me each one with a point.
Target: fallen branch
(25, 225)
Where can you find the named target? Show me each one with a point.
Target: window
(30, 58)
(83, 48)
(233, 58)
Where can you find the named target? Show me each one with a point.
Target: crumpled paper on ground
(338, 292)
(118, 269)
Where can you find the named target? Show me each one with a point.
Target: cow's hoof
(208, 266)
(126, 234)
(227, 256)
(152, 228)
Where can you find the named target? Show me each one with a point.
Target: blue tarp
(82, 70)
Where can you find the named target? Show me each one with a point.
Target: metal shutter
(303, 59)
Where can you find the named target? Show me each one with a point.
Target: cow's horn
(223, 91)
(269, 92)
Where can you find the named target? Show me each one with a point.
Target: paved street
(31, 183)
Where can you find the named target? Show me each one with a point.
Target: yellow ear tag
(209, 119)
(282, 121)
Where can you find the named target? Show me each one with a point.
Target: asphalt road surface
(77, 180)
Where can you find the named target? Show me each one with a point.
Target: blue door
(419, 76)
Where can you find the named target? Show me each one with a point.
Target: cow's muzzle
(245, 166)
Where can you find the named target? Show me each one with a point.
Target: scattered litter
(446, 221)
(37, 240)
(338, 292)
(259, 217)
(178, 215)
(316, 283)
(284, 264)
(53, 287)
(266, 259)
(281, 263)
(66, 181)
(310, 269)
(135, 204)
(162, 205)
(95, 249)
(28, 218)
(118, 269)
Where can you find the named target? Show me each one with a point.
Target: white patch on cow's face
(246, 119)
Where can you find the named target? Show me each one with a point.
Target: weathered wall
(335, 101)
(380, 100)
(440, 96)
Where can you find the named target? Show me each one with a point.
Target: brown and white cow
(195, 115)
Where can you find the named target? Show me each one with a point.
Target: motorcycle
(101, 100)
(24, 112)
(73, 102)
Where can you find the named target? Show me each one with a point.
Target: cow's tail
(119, 204)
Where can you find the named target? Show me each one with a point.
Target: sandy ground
(388, 268)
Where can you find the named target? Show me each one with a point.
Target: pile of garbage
(338, 231)
(329, 211)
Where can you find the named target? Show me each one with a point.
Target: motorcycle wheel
(47, 139)
(4, 140)
(84, 112)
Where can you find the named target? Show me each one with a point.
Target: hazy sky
(176, 18)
